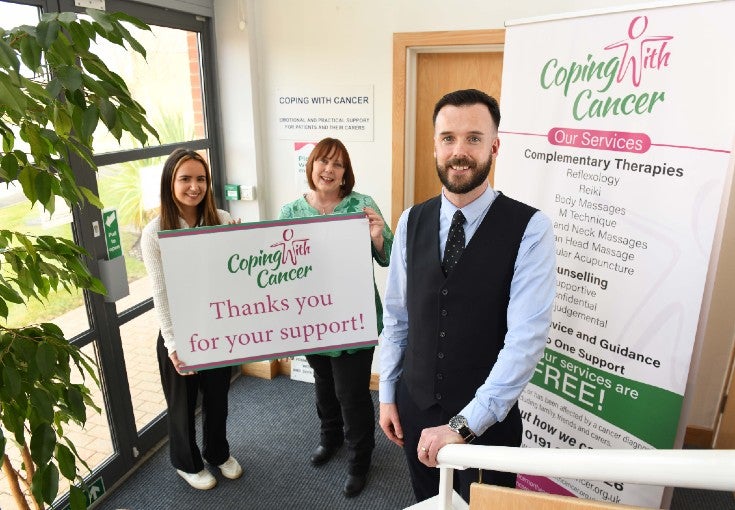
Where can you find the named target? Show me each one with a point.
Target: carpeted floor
(273, 429)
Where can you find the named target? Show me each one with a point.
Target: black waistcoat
(457, 324)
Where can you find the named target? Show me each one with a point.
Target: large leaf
(45, 484)
(76, 404)
(61, 120)
(11, 379)
(113, 83)
(8, 58)
(51, 328)
(67, 462)
(43, 190)
(67, 17)
(77, 498)
(70, 76)
(10, 96)
(9, 167)
(27, 177)
(79, 36)
(9, 294)
(54, 87)
(91, 197)
(102, 18)
(43, 442)
(13, 417)
(129, 19)
(46, 359)
(42, 405)
(6, 133)
(31, 133)
(47, 32)
(108, 112)
(30, 53)
(61, 52)
(130, 39)
(25, 348)
(89, 122)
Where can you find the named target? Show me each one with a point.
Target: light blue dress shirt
(532, 293)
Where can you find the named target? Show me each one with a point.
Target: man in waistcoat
(468, 302)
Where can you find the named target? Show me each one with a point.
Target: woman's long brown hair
(206, 210)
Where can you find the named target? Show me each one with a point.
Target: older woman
(342, 378)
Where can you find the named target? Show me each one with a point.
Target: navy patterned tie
(455, 243)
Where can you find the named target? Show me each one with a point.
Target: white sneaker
(231, 468)
(202, 480)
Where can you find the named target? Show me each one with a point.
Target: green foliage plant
(54, 91)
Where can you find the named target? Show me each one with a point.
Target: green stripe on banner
(648, 412)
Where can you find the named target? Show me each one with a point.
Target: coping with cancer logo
(593, 83)
(281, 262)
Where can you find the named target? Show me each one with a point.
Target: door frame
(406, 47)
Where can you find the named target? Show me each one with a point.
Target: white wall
(292, 42)
(284, 43)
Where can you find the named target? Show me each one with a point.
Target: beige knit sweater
(152, 259)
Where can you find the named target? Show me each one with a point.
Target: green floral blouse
(352, 203)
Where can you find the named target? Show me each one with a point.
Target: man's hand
(432, 440)
(390, 423)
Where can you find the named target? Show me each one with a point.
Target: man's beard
(477, 177)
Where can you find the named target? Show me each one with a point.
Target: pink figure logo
(641, 51)
(292, 249)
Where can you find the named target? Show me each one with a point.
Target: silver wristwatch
(459, 425)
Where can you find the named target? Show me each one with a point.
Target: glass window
(139, 338)
(13, 15)
(93, 441)
(167, 83)
(62, 307)
(132, 188)
(170, 84)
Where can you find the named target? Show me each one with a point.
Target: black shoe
(354, 485)
(322, 454)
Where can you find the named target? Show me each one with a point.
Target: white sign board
(256, 291)
(313, 113)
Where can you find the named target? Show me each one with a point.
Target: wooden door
(426, 65)
(437, 74)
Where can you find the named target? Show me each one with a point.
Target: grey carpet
(272, 429)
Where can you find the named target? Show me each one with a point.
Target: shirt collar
(472, 211)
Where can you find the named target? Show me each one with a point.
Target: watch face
(457, 422)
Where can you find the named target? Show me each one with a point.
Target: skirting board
(274, 367)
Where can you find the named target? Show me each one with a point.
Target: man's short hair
(468, 97)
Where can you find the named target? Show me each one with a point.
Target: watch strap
(467, 434)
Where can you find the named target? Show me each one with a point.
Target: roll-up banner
(619, 126)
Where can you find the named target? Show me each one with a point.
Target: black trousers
(425, 480)
(181, 393)
(344, 404)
